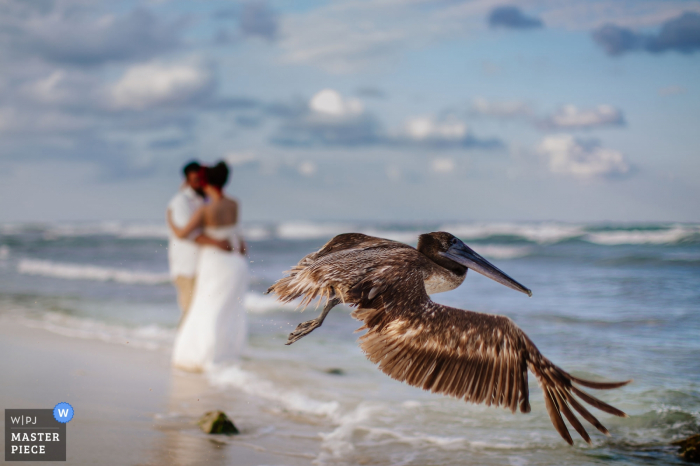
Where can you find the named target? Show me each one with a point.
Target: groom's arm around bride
(183, 253)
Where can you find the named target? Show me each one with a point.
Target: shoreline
(130, 407)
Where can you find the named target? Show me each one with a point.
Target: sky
(381, 110)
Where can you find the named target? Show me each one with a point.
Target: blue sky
(399, 110)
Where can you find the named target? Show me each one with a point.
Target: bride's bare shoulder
(231, 202)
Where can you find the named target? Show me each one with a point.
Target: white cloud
(50, 122)
(307, 168)
(330, 102)
(153, 84)
(500, 109)
(582, 159)
(426, 128)
(587, 15)
(59, 87)
(442, 165)
(348, 36)
(239, 159)
(47, 89)
(672, 90)
(335, 44)
(571, 117)
(83, 34)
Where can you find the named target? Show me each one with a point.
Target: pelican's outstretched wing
(479, 357)
(338, 266)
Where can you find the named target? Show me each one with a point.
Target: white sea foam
(151, 230)
(410, 237)
(72, 271)
(247, 382)
(535, 232)
(150, 337)
(256, 232)
(338, 443)
(254, 302)
(117, 229)
(494, 251)
(309, 230)
(617, 237)
(260, 304)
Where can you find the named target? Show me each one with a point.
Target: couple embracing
(209, 269)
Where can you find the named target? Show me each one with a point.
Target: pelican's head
(451, 253)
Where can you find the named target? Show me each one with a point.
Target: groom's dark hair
(193, 166)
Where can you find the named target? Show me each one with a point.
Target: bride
(215, 329)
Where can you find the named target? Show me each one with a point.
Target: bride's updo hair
(218, 174)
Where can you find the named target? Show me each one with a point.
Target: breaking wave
(89, 272)
(671, 235)
(150, 337)
(503, 252)
(254, 302)
(248, 382)
(534, 232)
(537, 232)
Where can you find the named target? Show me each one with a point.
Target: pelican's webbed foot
(302, 330)
(309, 326)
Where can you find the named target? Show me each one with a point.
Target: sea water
(609, 301)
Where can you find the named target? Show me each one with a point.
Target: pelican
(478, 357)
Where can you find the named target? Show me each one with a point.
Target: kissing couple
(209, 269)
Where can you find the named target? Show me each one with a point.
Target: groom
(183, 253)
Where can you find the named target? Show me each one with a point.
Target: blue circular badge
(63, 412)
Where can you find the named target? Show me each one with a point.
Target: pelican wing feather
(478, 357)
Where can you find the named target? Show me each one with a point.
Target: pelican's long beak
(463, 254)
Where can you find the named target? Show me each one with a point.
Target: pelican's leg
(307, 327)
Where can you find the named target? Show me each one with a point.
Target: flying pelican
(481, 358)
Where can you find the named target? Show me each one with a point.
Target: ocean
(609, 300)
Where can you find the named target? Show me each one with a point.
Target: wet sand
(130, 408)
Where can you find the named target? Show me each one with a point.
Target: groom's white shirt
(183, 253)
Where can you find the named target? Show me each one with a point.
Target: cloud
(330, 102)
(672, 90)
(438, 134)
(511, 17)
(20, 121)
(442, 165)
(242, 159)
(75, 36)
(617, 40)
(318, 129)
(307, 168)
(333, 120)
(329, 119)
(158, 84)
(369, 92)
(258, 19)
(168, 144)
(482, 106)
(681, 34)
(571, 117)
(344, 37)
(582, 158)
(62, 88)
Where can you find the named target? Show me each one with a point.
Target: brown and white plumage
(478, 357)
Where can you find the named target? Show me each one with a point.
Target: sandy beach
(124, 400)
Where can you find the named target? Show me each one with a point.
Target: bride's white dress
(215, 329)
